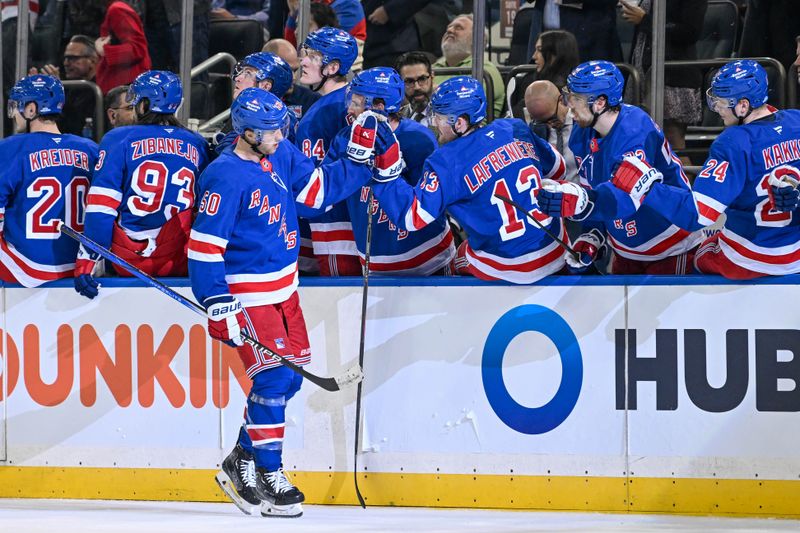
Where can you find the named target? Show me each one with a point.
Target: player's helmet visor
(275, 136)
(717, 103)
(11, 108)
(570, 99)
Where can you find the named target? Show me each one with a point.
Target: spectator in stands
(84, 17)
(769, 26)
(8, 20)
(554, 56)
(682, 98)
(551, 121)
(298, 98)
(80, 63)
(257, 10)
(457, 49)
(593, 22)
(391, 30)
(350, 17)
(162, 25)
(119, 112)
(415, 70)
(796, 63)
(121, 46)
(432, 21)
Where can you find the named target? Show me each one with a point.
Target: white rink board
(425, 406)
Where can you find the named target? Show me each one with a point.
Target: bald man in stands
(298, 98)
(551, 120)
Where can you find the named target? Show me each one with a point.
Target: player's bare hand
(632, 13)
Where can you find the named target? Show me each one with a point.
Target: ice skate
(237, 479)
(280, 497)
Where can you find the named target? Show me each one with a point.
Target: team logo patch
(280, 343)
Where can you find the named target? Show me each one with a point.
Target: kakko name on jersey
(734, 180)
(44, 179)
(643, 235)
(244, 240)
(393, 249)
(332, 232)
(500, 158)
(145, 176)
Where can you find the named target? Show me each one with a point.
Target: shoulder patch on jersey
(57, 140)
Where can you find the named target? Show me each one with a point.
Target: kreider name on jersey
(161, 145)
(58, 157)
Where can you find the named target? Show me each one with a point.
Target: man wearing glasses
(551, 121)
(415, 70)
(119, 112)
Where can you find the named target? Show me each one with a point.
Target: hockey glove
(225, 319)
(563, 199)
(361, 145)
(588, 246)
(783, 188)
(635, 177)
(85, 284)
(389, 162)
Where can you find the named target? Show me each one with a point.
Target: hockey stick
(351, 375)
(361, 345)
(519, 207)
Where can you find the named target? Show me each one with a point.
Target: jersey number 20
(50, 192)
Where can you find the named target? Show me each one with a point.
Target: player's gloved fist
(389, 163)
(225, 319)
(361, 145)
(635, 177)
(783, 182)
(588, 247)
(85, 284)
(563, 199)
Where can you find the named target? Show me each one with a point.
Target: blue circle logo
(532, 420)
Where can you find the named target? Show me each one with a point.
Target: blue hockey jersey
(395, 250)
(44, 179)
(245, 239)
(643, 235)
(224, 139)
(145, 175)
(734, 181)
(463, 177)
(332, 232)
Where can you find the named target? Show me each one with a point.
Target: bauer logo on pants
(532, 420)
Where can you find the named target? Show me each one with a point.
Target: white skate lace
(279, 482)
(247, 469)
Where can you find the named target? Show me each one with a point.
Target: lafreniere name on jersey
(781, 153)
(496, 160)
(161, 145)
(58, 157)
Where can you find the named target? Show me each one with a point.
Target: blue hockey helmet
(461, 95)
(379, 82)
(45, 91)
(597, 78)
(260, 111)
(739, 79)
(268, 67)
(334, 45)
(162, 88)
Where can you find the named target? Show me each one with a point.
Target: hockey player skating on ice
(751, 175)
(394, 250)
(464, 177)
(44, 178)
(610, 138)
(143, 191)
(326, 57)
(243, 269)
(264, 70)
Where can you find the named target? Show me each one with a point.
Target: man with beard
(457, 50)
(415, 70)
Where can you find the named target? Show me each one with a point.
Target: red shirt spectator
(122, 47)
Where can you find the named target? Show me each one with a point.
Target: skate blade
(281, 511)
(227, 487)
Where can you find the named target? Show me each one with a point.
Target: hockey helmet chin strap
(254, 146)
(597, 115)
(742, 118)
